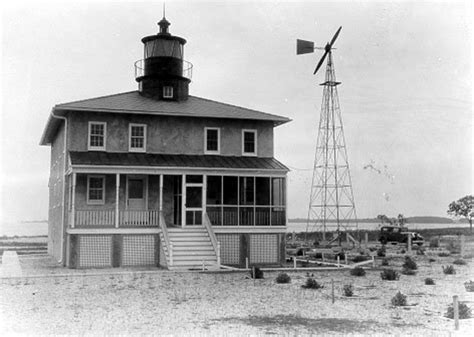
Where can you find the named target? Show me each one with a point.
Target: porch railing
(246, 215)
(212, 236)
(164, 236)
(106, 218)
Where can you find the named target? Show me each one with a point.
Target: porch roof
(173, 160)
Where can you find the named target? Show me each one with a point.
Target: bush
(258, 273)
(311, 283)
(381, 251)
(429, 281)
(452, 247)
(464, 311)
(348, 290)
(399, 300)
(449, 270)
(389, 275)
(430, 260)
(407, 271)
(444, 254)
(409, 264)
(385, 262)
(358, 271)
(283, 278)
(360, 258)
(460, 262)
(469, 286)
(434, 243)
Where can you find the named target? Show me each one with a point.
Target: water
(24, 228)
(299, 227)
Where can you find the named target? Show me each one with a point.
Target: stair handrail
(166, 238)
(212, 236)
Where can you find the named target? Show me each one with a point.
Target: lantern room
(163, 74)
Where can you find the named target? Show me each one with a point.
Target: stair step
(193, 248)
(196, 258)
(191, 243)
(194, 253)
(189, 238)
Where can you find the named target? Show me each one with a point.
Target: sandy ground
(164, 302)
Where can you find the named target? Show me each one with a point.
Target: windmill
(331, 205)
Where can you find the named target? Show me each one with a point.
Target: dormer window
(212, 141)
(167, 91)
(137, 138)
(97, 134)
(249, 142)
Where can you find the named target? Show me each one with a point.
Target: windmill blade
(320, 62)
(335, 36)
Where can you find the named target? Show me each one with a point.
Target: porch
(124, 200)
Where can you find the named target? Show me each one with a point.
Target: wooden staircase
(191, 249)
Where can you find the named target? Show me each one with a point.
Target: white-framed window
(167, 91)
(249, 142)
(137, 137)
(212, 140)
(97, 136)
(95, 189)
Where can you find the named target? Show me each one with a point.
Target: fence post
(332, 290)
(409, 244)
(338, 261)
(456, 312)
(246, 263)
(294, 262)
(366, 239)
(218, 254)
(373, 261)
(345, 258)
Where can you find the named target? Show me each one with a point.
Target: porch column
(161, 193)
(183, 201)
(204, 196)
(117, 194)
(73, 200)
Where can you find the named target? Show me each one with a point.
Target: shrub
(399, 300)
(381, 251)
(430, 260)
(360, 258)
(460, 262)
(348, 290)
(429, 281)
(283, 278)
(407, 271)
(409, 264)
(434, 243)
(358, 271)
(311, 283)
(452, 247)
(258, 273)
(444, 254)
(449, 270)
(389, 275)
(385, 262)
(464, 311)
(469, 286)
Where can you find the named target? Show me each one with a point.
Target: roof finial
(164, 24)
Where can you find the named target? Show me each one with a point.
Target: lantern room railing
(186, 73)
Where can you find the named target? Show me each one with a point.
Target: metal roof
(97, 158)
(134, 103)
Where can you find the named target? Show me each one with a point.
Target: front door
(136, 193)
(194, 200)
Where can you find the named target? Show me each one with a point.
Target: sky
(406, 92)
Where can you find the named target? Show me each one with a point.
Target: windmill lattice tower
(331, 205)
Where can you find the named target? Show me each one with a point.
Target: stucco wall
(172, 135)
(56, 182)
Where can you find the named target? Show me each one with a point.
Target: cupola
(163, 74)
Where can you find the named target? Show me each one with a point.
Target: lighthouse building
(158, 177)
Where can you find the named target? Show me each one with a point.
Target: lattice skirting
(230, 248)
(138, 250)
(264, 248)
(95, 251)
(102, 251)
